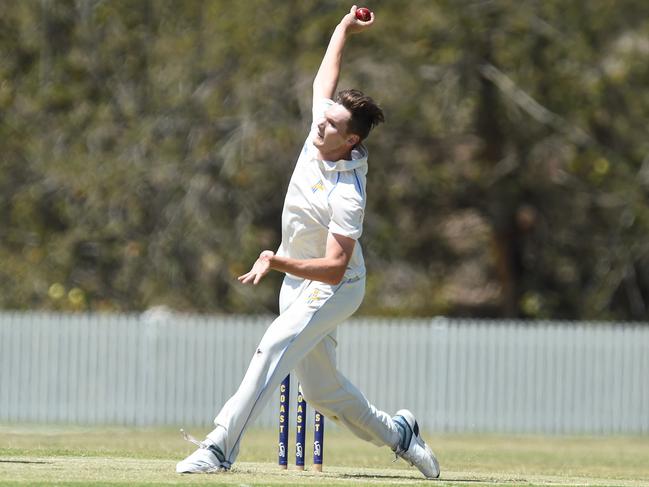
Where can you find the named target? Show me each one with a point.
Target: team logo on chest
(319, 186)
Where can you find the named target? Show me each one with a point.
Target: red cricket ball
(363, 14)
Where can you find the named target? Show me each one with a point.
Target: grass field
(69, 456)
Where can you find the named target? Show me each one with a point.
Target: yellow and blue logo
(314, 296)
(319, 186)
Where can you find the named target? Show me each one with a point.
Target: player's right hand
(354, 25)
(260, 268)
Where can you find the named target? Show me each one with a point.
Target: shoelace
(191, 439)
(399, 451)
(396, 457)
(223, 465)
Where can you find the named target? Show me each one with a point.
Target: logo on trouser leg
(314, 296)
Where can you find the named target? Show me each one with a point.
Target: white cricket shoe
(209, 458)
(412, 448)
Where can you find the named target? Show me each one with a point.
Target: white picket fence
(457, 376)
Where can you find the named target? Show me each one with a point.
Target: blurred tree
(146, 147)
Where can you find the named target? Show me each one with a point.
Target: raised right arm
(326, 80)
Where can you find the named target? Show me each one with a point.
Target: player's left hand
(260, 268)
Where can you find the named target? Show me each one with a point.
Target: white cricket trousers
(303, 338)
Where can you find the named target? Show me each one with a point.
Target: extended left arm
(329, 269)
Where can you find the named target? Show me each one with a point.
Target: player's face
(332, 136)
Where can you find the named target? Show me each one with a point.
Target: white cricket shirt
(324, 197)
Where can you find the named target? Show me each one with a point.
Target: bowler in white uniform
(324, 284)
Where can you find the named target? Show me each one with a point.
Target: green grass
(73, 456)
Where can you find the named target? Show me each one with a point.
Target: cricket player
(322, 221)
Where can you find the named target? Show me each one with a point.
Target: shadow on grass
(27, 461)
(459, 480)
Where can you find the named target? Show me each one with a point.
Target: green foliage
(146, 147)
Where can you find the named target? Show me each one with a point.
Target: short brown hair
(366, 114)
